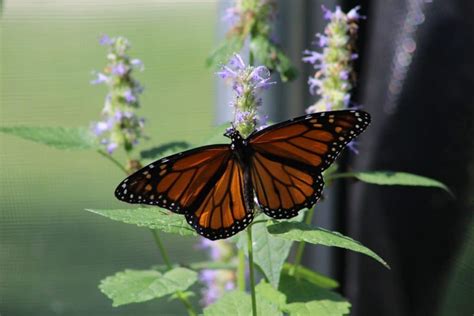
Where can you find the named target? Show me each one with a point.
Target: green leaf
(311, 276)
(269, 252)
(272, 295)
(153, 218)
(163, 150)
(238, 303)
(319, 236)
(307, 299)
(393, 178)
(134, 286)
(272, 57)
(57, 137)
(225, 50)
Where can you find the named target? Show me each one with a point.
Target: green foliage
(310, 276)
(393, 178)
(57, 137)
(307, 299)
(153, 218)
(319, 236)
(134, 286)
(269, 252)
(272, 57)
(269, 293)
(239, 303)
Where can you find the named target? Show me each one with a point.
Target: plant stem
(166, 259)
(112, 159)
(241, 270)
(252, 276)
(162, 249)
(301, 245)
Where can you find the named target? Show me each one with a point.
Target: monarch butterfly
(279, 167)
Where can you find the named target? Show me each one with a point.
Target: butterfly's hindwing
(226, 209)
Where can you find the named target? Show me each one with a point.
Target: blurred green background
(52, 252)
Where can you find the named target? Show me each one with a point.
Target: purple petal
(119, 69)
(129, 97)
(100, 127)
(346, 100)
(322, 40)
(353, 147)
(105, 40)
(100, 78)
(231, 16)
(111, 147)
(207, 276)
(327, 13)
(353, 14)
(311, 56)
(338, 14)
(237, 62)
(137, 63)
(313, 84)
(344, 75)
(264, 84)
(230, 285)
(259, 73)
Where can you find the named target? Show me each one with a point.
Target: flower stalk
(120, 126)
(334, 77)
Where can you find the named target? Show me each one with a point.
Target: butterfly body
(216, 187)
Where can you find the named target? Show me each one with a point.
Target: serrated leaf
(163, 150)
(225, 50)
(307, 299)
(153, 218)
(238, 303)
(311, 276)
(269, 252)
(57, 137)
(272, 57)
(319, 236)
(393, 178)
(134, 286)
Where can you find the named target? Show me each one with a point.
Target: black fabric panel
(428, 131)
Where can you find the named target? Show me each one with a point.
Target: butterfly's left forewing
(289, 158)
